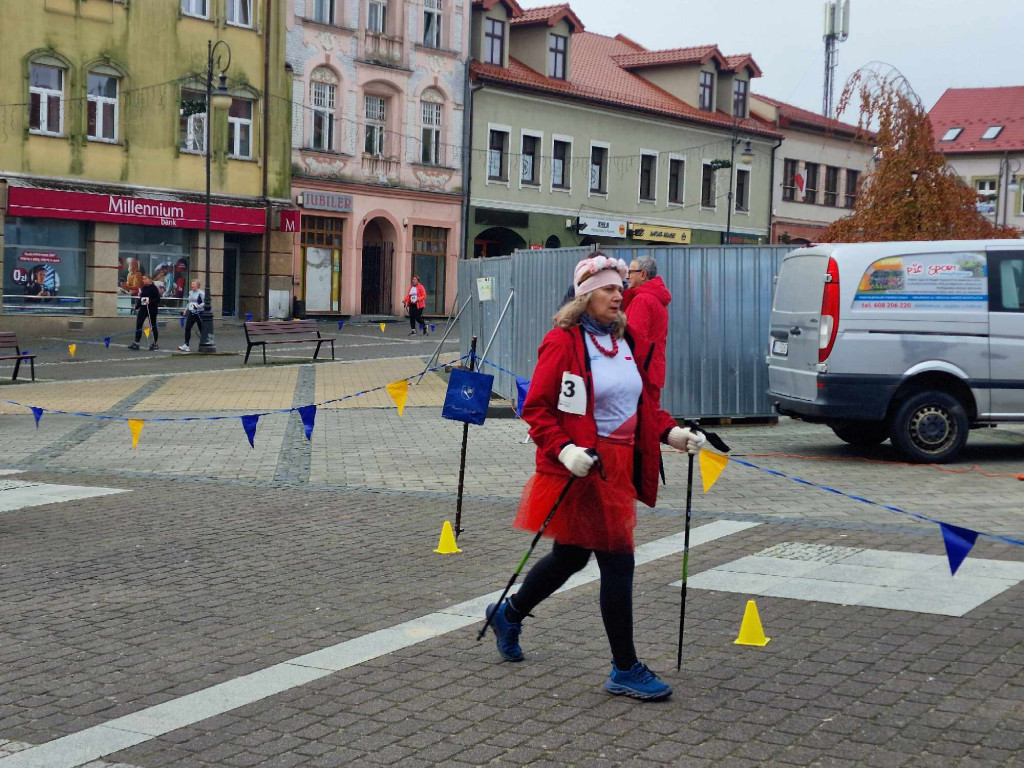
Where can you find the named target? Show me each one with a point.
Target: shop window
(376, 125)
(742, 197)
(240, 128)
(192, 121)
(430, 153)
(599, 170)
(321, 238)
(240, 12)
(198, 8)
(494, 42)
(377, 17)
(429, 254)
(322, 98)
(676, 180)
(432, 23)
(161, 253)
(529, 162)
(44, 266)
(46, 100)
(560, 164)
(102, 107)
(497, 155)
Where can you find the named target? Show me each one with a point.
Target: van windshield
(800, 283)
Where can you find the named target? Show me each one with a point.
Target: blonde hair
(571, 313)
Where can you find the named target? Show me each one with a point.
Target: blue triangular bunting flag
(37, 412)
(249, 425)
(959, 541)
(106, 342)
(340, 324)
(308, 414)
(522, 387)
(248, 317)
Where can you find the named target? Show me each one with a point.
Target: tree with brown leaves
(911, 194)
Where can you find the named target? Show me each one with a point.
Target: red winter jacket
(421, 296)
(647, 309)
(551, 429)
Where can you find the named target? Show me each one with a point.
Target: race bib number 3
(572, 398)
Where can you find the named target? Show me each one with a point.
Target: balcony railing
(383, 49)
(380, 167)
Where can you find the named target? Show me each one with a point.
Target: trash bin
(299, 308)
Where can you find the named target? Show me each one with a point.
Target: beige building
(817, 169)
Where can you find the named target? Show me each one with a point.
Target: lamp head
(221, 98)
(747, 155)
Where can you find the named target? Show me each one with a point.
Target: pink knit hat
(597, 272)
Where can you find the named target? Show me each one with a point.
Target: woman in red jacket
(416, 301)
(591, 390)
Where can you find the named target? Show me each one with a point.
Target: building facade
(579, 138)
(103, 135)
(817, 170)
(377, 136)
(981, 133)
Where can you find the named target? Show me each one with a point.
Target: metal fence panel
(718, 319)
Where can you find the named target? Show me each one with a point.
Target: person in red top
(591, 389)
(416, 300)
(646, 306)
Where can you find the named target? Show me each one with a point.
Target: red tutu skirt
(598, 514)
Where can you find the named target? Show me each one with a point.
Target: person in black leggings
(149, 304)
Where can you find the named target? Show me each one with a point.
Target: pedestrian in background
(646, 307)
(416, 301)
(591, 390)
(193, 314)
(149, 303)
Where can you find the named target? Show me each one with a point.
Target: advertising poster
(169, 273)
(39, 276)
(941, 281)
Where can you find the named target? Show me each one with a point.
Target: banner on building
(601, 227)
(659, 234)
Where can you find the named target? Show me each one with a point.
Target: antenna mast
(837, 29)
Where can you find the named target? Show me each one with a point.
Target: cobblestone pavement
(224, 560)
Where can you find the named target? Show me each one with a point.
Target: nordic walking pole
(533, 544)
(686, 558)
(462, 461)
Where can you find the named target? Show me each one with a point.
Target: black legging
(191, 318)
(416, 316)
(140, 317)
(555, 568)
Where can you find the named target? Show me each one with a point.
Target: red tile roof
(791, 115)
(550, 15)
(698, 54)
(513, 7)
(596, 76)
(734, 63)
(976, 110)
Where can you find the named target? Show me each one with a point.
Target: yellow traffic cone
(447, 545)
(751, 631)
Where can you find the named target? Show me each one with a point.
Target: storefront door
(229, 301)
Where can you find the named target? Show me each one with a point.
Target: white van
(917, 341)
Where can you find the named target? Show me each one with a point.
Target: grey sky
(936, 44)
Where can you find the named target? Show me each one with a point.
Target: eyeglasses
(636, 271)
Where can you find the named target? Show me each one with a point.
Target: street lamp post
(221, 99)
(745, 157)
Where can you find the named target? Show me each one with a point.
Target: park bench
(9, 341)
(294, 332)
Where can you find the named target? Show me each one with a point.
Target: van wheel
(930, 427)
(863, 433)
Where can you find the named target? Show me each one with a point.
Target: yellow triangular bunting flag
(382, 326)
(399, 391)
(146, 331)
(711, 466)
(72, 348)
(135, 425)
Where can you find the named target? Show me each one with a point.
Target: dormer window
(739, 98)
(558, 45)
(494, 42)
(706, 99)
(992, 132)
(952, 134)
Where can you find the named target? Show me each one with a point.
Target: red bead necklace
(606, 352)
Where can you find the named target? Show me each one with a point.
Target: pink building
(377, 108)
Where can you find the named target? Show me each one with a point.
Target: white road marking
(100, 740)
(18, 494)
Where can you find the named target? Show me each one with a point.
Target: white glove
(576, 460)
(684, 439)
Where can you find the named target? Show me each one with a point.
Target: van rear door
(1006, 332)
(793, 342)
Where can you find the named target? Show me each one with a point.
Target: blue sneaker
(638, 682)
(507, 634)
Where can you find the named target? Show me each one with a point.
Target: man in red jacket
(646, 305)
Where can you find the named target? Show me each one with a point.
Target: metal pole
(206, 342)
(732, 175)
(267, 21)
(498, 325)
(437, 352)
(465, 440)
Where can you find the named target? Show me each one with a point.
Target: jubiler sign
(118, 209)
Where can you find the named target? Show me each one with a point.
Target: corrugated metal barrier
(718, 319)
